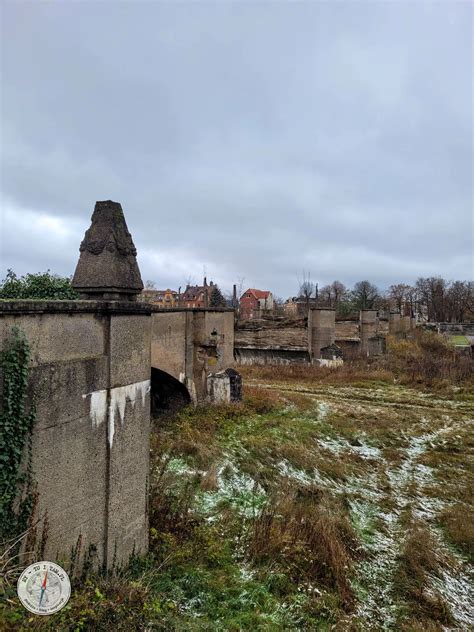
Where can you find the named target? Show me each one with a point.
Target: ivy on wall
(16, 424)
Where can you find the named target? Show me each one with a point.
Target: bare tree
(326, 296)
(364, 294)
(399, 293)
(307, 289)
(339, 292)
(150, 285)
(432, 294)
(240, 286)
(190, 281)
(459, 301)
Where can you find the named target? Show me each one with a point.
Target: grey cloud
(254, 139)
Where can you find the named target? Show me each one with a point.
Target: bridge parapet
(89, 376)
(191, 343)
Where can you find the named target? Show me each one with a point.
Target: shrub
(36, 286)
(427, 358)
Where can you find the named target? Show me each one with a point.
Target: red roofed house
(254, 302)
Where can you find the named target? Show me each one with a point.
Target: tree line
(431, 298)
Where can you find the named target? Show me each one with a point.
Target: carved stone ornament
(107, 264)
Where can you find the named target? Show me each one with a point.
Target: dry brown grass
(458, 523)
(423, 360)
(419, 559)
(427, 359)
(311, 537)
(260, 400)
(209, 481)
(348, 373)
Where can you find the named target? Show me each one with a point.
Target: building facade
(254, 303)
(165, 299)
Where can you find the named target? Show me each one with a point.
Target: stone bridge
(189, 345)
(96, 363)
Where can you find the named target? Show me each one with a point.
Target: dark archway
(167, 394)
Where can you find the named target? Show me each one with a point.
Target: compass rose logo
(44, 588)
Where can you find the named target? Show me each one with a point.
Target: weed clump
(427, 359)
(418, 560)
(310, 536)
(458, 524)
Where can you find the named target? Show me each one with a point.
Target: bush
(40, 286)
(427, 358)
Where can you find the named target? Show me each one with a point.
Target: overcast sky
(250, 140)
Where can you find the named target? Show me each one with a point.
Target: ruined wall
(347, 329)
(191, 343)
(250, 356)
(383, 326)
(394, 323)
(405, 324)
(272, 338)
(277, 343)
(457, 328)
(90, 371)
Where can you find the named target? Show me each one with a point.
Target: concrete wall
(250, 356)
(457, 328)
(272, 338)
(90, 371)
(346, 329)
(168, 342)
(350, 348)
(191, 343)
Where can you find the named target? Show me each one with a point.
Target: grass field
(459, 340)
(319, 503)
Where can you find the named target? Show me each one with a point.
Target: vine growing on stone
(17, 417)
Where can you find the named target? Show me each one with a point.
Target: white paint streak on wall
(98, 407)
(118, 400)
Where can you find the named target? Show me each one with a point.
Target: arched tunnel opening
(167, 394)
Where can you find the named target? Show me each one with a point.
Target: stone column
(108, 272)
(405, 324)
(321, 330)
(368, 329)
(394, 323)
